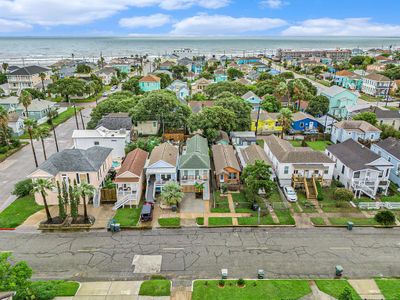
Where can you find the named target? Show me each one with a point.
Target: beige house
(26, 77)
(91, 166)
(199, 85)
(146, 127)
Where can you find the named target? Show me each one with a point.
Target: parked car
(105, 94)
(113, 88)
(146, 214)
(290, 193)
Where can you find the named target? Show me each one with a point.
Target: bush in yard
(385, 217)
(343, 194)
(23, 188)
(241, 282)
(346, 294)
(221, 282)
(320, 196)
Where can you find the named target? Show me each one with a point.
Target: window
(78, 181)
(88, 177)
(232, 175)
(96, 143)
(301, 124)
(326, 171)
(286, 170)
(197, 173)
(343, 167)
(154, 124)
(387, 172)
(165, 177)
(221, 177)
(356, 175)
(389, 158)
(113, 141)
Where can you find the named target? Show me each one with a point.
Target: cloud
(76, 12)
(223, 25)
(152, 21)
(274, 4)
(12, 26)
(341, 27)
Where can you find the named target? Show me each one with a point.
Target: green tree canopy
(234, 74)
(240, 108)
(367, 116)
(171, 193)
(318, 106)
(132, 85)
(179, 71)
(270, 104)
(213, 90)
(68, 87)
(84, 69)
(257, 177)
(165, 80)
(385, 217)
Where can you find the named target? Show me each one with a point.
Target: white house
(355, 130)
(376, 85)
(106, 74)
(16, 123)
(161, 168)
(115, 139)
(360, 169)
(253, 99)
(293, 165)
(181, 90)
(389, 149)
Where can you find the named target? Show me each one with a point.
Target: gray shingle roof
(29, 70)
(252, 153)
(390, 145)
(196, 156)
(356, 125)
(76, 160)
(116, 121)
(224, 157)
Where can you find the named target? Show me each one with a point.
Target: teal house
(150, 83)
(248, 60)
(220, 75)
(340, 101)
(348, 80)
(123, 68)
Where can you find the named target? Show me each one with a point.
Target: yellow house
(267, 122)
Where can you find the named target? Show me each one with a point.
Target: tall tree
(285, 119)
(240, 107)
(172, 193)
(50, 116)
(4, 66)
(41, 186)
(258, 177)
(68, 87)
(42, 78)
(25, 99)
(318, 106)
(30, 125)
(4, 124)
(61, 205)
(40, 133)
(281, 91)
(299, 92)
(87, 191)
(270, 104)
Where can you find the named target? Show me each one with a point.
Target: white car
(290, 193)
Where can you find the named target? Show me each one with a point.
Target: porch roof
(310, 166)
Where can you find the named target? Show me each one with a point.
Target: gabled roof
(116, 121)
(286, 153)
(134, 163)
(253, 153)
(377, 77)
(196, 156)
(29, 70)
(381, 113)
(250, 94)
(390, 145)
(345, 73)
(107, 70)
(165, 152)
(202, 80)
(197, 106)
(150, 78)
(334, 90)
(353, 155)
(356, 125)
(298, 116)
(224, 157)
(76, 160)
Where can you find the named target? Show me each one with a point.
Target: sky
(199, 18)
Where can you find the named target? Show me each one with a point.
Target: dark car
(147, 213)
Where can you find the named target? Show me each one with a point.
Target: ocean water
(44, 50)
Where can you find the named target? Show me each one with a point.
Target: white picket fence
(379, 205)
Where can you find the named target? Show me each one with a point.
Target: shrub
(23, 188)
(343, 194)
(385, 217)
(3, 150)
(16, 143)
(320, 196)
(241, 282)
(221, 282)
(158, 277)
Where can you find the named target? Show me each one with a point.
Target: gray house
(389, 149)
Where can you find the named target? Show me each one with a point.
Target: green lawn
(317, 221)
(319, 145)
(296, 143)
(265, 220)
(128, 217)
(169, 222)
(307, 206)
(254, 289)
(330, 205)
(61, 118)
(58, 288)
(284, 216)
(295, 207)
(370, 98)
(18, 211)
(390, 288)
(356, 221)
(221, 204)
(335, 287)
(200, 221)
(155, 287)
(244, 205)
(223, 221)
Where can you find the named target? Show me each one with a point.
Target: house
(253, 99)
(190, 76)
(16, 123)
(340, 100)
(69, 165)
(243, 138)
(389, 149)
(267, 122)
(37, 110)
(150, 127)
(376, 85)
(303, 122)
(360, 169)
(252, 75)
(26, 77)
(180, 88)
(383, 116)
(161, 167)
(395, 87)
(130, 178)
(227, 169)
(114, 139)
(106, 74)
(348, 80)
(116, 121)
(194, 166)
(248, 60)
(167, 65)
(199, 85)
(297, 166)
(222, 138)
(7, 295)
(355, 130)
(326, 123)
(197, 106)
(243, 81)
(220, 75)
(197, 67)
(249, 155)
(187, 62)
(150, 83)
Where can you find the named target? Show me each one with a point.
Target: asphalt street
(201, 253)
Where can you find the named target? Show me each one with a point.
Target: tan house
(252, 153)
(130, 177)
(199, 85)
(150, 127)
(90, 165)
(227, 169)
(26, 77)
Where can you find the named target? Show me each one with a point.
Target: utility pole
(76, 117)
(258, 117)
(388, 91)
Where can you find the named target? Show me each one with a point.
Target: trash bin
(350, 225)
(339, 270)
(224, 273)
(255, 206)
(117, 227)
(260, 274)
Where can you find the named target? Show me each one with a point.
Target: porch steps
(121, 202)
(311, 192)
(150, 189)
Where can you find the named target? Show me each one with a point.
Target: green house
(340, 101)
(150, 83)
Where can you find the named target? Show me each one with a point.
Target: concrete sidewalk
(367, 289)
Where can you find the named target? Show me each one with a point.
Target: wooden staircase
(311, 191)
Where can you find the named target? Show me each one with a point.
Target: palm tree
(25, 99)
(50, 116)
(30, 126)
(172, 193)
(86, 190)
(4, 65)
(4, 123)
(299, 91)
(42, 78)
(281, 91)
(41, 186)
(285, 119)
(40, 133)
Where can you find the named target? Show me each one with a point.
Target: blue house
(197, 67)
(340, 101)
(389, 149)
(253, 99)
(220, 75)
(123, 68)
(303, 122)
(248, 60)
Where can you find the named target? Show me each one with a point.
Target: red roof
(134, 162)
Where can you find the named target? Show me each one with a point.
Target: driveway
(190, 204)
